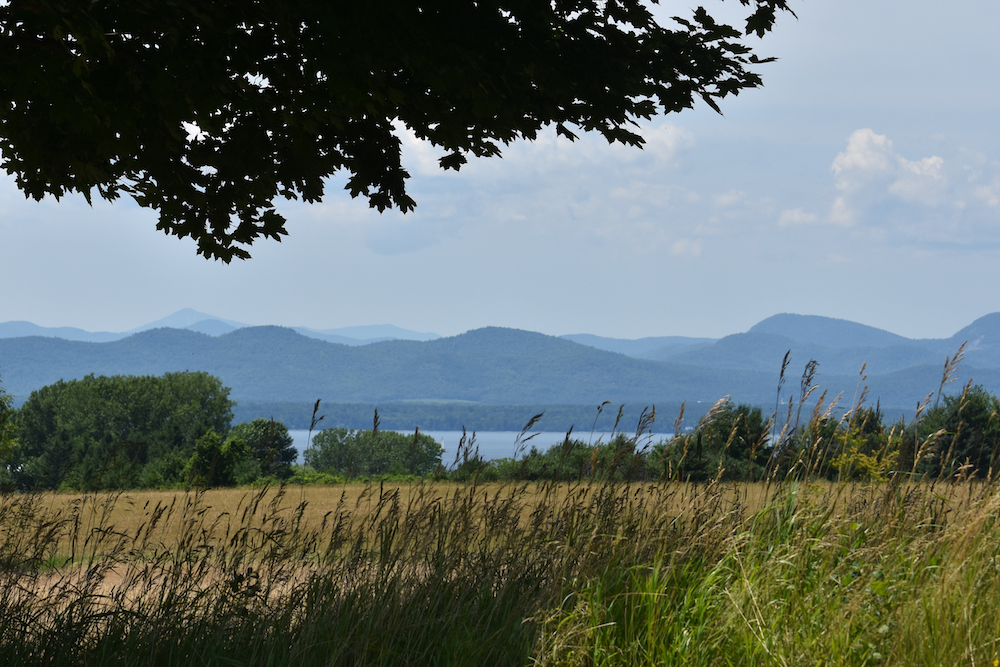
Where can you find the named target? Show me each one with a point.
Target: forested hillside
(275, 366)
(492, 365)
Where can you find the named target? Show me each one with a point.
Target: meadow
(445, 573)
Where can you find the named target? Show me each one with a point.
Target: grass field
(553, 574)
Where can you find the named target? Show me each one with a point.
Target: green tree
(863, 449)
(969, 426)
(214, 462)
(208, 111)
(118, 432)
(733, 440)
(270, 445)
(360, 453)
(574, 459)
(8, 439)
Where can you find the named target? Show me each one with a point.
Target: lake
(492, 444)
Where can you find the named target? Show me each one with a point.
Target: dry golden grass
(130, 512)
(163, 517)
(554, 571)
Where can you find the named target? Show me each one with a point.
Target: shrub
(969, 426)
(270, 446)
(362, 453)
(214, 461)
(730, 442)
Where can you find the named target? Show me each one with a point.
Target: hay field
(795, 573)
(168, 516)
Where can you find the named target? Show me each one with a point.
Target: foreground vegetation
(820, 541)
(175, 431)
(795, 573)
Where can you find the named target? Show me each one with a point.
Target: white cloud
(796, 216)
(989, 193)
(872, 177)
(946, 200)
(686, 248)
(419, 156)
(666, 140)
(870, 162)
(841, 213)
(867, 153)
(920, 181)
(730, 198)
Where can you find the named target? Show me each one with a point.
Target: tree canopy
(964, 430)
(208, 112)
(270, 444)
(117, 432)
(7, 427)
(361, 453)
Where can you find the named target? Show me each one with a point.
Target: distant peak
(183, 319)
(826, 331)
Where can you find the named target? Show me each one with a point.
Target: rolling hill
(492, 366)
(497, 366)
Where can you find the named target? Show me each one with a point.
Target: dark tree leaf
(208, 111)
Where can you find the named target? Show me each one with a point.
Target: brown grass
(164, 517)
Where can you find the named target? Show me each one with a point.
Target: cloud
(686, 248)
(796, 216)
(990, 194)
(870, 175)
(870, 162)
(730, 198)
(920, 181)
(419, 156)
(665, 141)
(948, 200)
(610, 196)
(867, 153)
(841, 213)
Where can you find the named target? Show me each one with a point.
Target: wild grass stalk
(794, 570)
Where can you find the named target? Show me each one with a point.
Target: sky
(861, 182)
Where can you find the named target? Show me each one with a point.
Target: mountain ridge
(193, 320)
(498, 365)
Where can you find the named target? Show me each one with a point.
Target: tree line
(175, 430)
(138, 432)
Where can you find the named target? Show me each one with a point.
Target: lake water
(492, 444)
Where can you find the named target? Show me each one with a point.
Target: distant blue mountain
(982, 339)
(376, 332)
(211, 327)
(826, 331)
(656, 347)
(506, 366)
(193, 320)
(185, 319)
(492, 366)
(19, 329)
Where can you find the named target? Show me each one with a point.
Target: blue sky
(861, 182)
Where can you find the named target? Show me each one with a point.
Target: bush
(970, 433)
(731, 443)
(363, 453)
(8, 440)
(214, 461)
(270, 446)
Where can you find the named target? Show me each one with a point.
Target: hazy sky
(861, 182)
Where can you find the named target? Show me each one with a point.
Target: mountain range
(192, 320)
(497, 366)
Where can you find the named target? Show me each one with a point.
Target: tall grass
(553, 574)
(793, 570)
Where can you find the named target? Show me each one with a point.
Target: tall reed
(793, 570)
